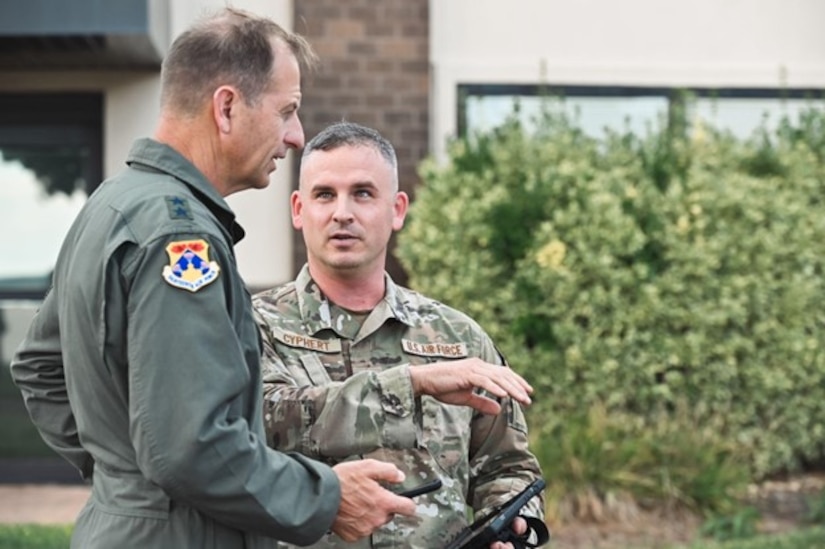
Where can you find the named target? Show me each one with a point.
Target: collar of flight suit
(158, 156)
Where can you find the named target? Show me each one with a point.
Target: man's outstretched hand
(455, 382)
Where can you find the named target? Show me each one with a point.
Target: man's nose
(295, 134)
(343, 212)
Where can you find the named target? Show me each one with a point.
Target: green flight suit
(338, 387)
(142, 368)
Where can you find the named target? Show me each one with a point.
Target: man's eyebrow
(358, 185)
(365, 184)
(320, 187)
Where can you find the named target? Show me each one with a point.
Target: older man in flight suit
(142, 367)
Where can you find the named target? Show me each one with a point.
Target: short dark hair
(230, 47)
(341, 134)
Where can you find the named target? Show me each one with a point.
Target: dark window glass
(50, 160)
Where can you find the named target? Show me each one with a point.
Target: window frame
(672, 95)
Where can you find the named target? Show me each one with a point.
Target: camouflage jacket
(337, 388)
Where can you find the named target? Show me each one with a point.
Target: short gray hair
(351, 134)
(230, 47)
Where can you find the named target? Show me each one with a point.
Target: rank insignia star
(178, 207)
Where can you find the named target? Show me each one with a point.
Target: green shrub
(601, 466)
(638, 270)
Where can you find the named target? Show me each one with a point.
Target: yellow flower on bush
(551, 255)
(699, 135)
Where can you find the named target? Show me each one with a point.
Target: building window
(594, 108)
(50, 160)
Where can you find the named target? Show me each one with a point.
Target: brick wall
(374, 71)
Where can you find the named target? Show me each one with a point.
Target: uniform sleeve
(190, 404)
(37, 369)
(336, 420)
(501, 462)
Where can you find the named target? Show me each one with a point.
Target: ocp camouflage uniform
(337, 387)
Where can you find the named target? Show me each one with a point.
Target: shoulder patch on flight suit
(178, 208)
(302, 341)
(189, 266)
(444, 350)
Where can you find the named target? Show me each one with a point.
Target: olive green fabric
(142, 368)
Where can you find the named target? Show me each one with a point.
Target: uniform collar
(318, 313)
(161, 157)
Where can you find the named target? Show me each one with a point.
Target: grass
(808, 538)
(34, 536)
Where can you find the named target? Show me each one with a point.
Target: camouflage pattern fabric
(337, 387)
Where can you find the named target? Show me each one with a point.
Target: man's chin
(261, 183)
(345, 265)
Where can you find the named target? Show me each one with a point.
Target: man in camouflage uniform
(356, 366)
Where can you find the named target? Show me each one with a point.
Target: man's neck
(181, 134)
(356, 293)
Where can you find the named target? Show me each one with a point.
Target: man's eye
(363, 193)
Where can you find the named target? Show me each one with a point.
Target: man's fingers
(442, 378)
(382, 471)
(515, 385)
(501, 384)
(484, 404)
(365, 503)
(400, 505)
(512, 381)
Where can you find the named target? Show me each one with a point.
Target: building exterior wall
(374, 71)
(396, 65)
(703, 43)
(131, 106)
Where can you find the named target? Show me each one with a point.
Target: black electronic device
(411, 491)
(495, 526)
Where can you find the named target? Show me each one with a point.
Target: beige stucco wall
(701, 43)
(130, 110)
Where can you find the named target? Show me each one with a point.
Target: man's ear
(223, 101)
(402, 202)
(295, 206)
